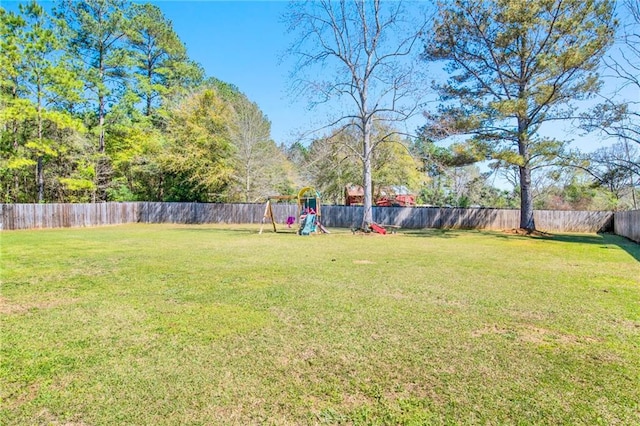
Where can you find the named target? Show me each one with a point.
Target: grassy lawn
(166, 325)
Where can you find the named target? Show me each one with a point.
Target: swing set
(309, 212)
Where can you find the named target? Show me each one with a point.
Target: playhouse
(385, 196)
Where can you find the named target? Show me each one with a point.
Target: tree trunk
(104, 172)
(247, 187)
(633, 188)
(367, 184)
(101, 124)
(14, 123)
(40, 162)
(40, 178)
(101, 100)
(526, 199)
(526, 196)
(149, 76)
(14, 131)
(99, 195)
(161, 187)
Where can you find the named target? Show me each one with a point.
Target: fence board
(573, 221)
(29, 216)
(627, 224)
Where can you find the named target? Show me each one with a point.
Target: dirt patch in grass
(396, 295)
(450, 302)
(47, 417)
(628, 324)
(533, 334)
(528, 232)
(363, 262)
(25, 396)
(9, 308)
(528, 316)
(488, 330)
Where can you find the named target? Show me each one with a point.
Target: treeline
(99, 101)
(450, 176)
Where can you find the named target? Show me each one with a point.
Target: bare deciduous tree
(258, 163)
(616, 116)
(617, 168)
(357, 56)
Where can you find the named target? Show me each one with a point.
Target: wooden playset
(308, 215)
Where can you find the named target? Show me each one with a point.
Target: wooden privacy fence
(27, 216)
(627, 224)
(472, 218)
(211, 213)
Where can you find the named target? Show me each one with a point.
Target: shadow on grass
(238, 229)
(603, 239)
(216, 230)
(441, 233)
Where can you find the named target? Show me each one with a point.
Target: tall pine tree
(514, 66)
(97, 33)
(160, 62)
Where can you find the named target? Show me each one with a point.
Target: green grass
(171, 325)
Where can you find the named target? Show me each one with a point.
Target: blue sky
(242, 42)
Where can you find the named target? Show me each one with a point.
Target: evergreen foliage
(515, 66)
